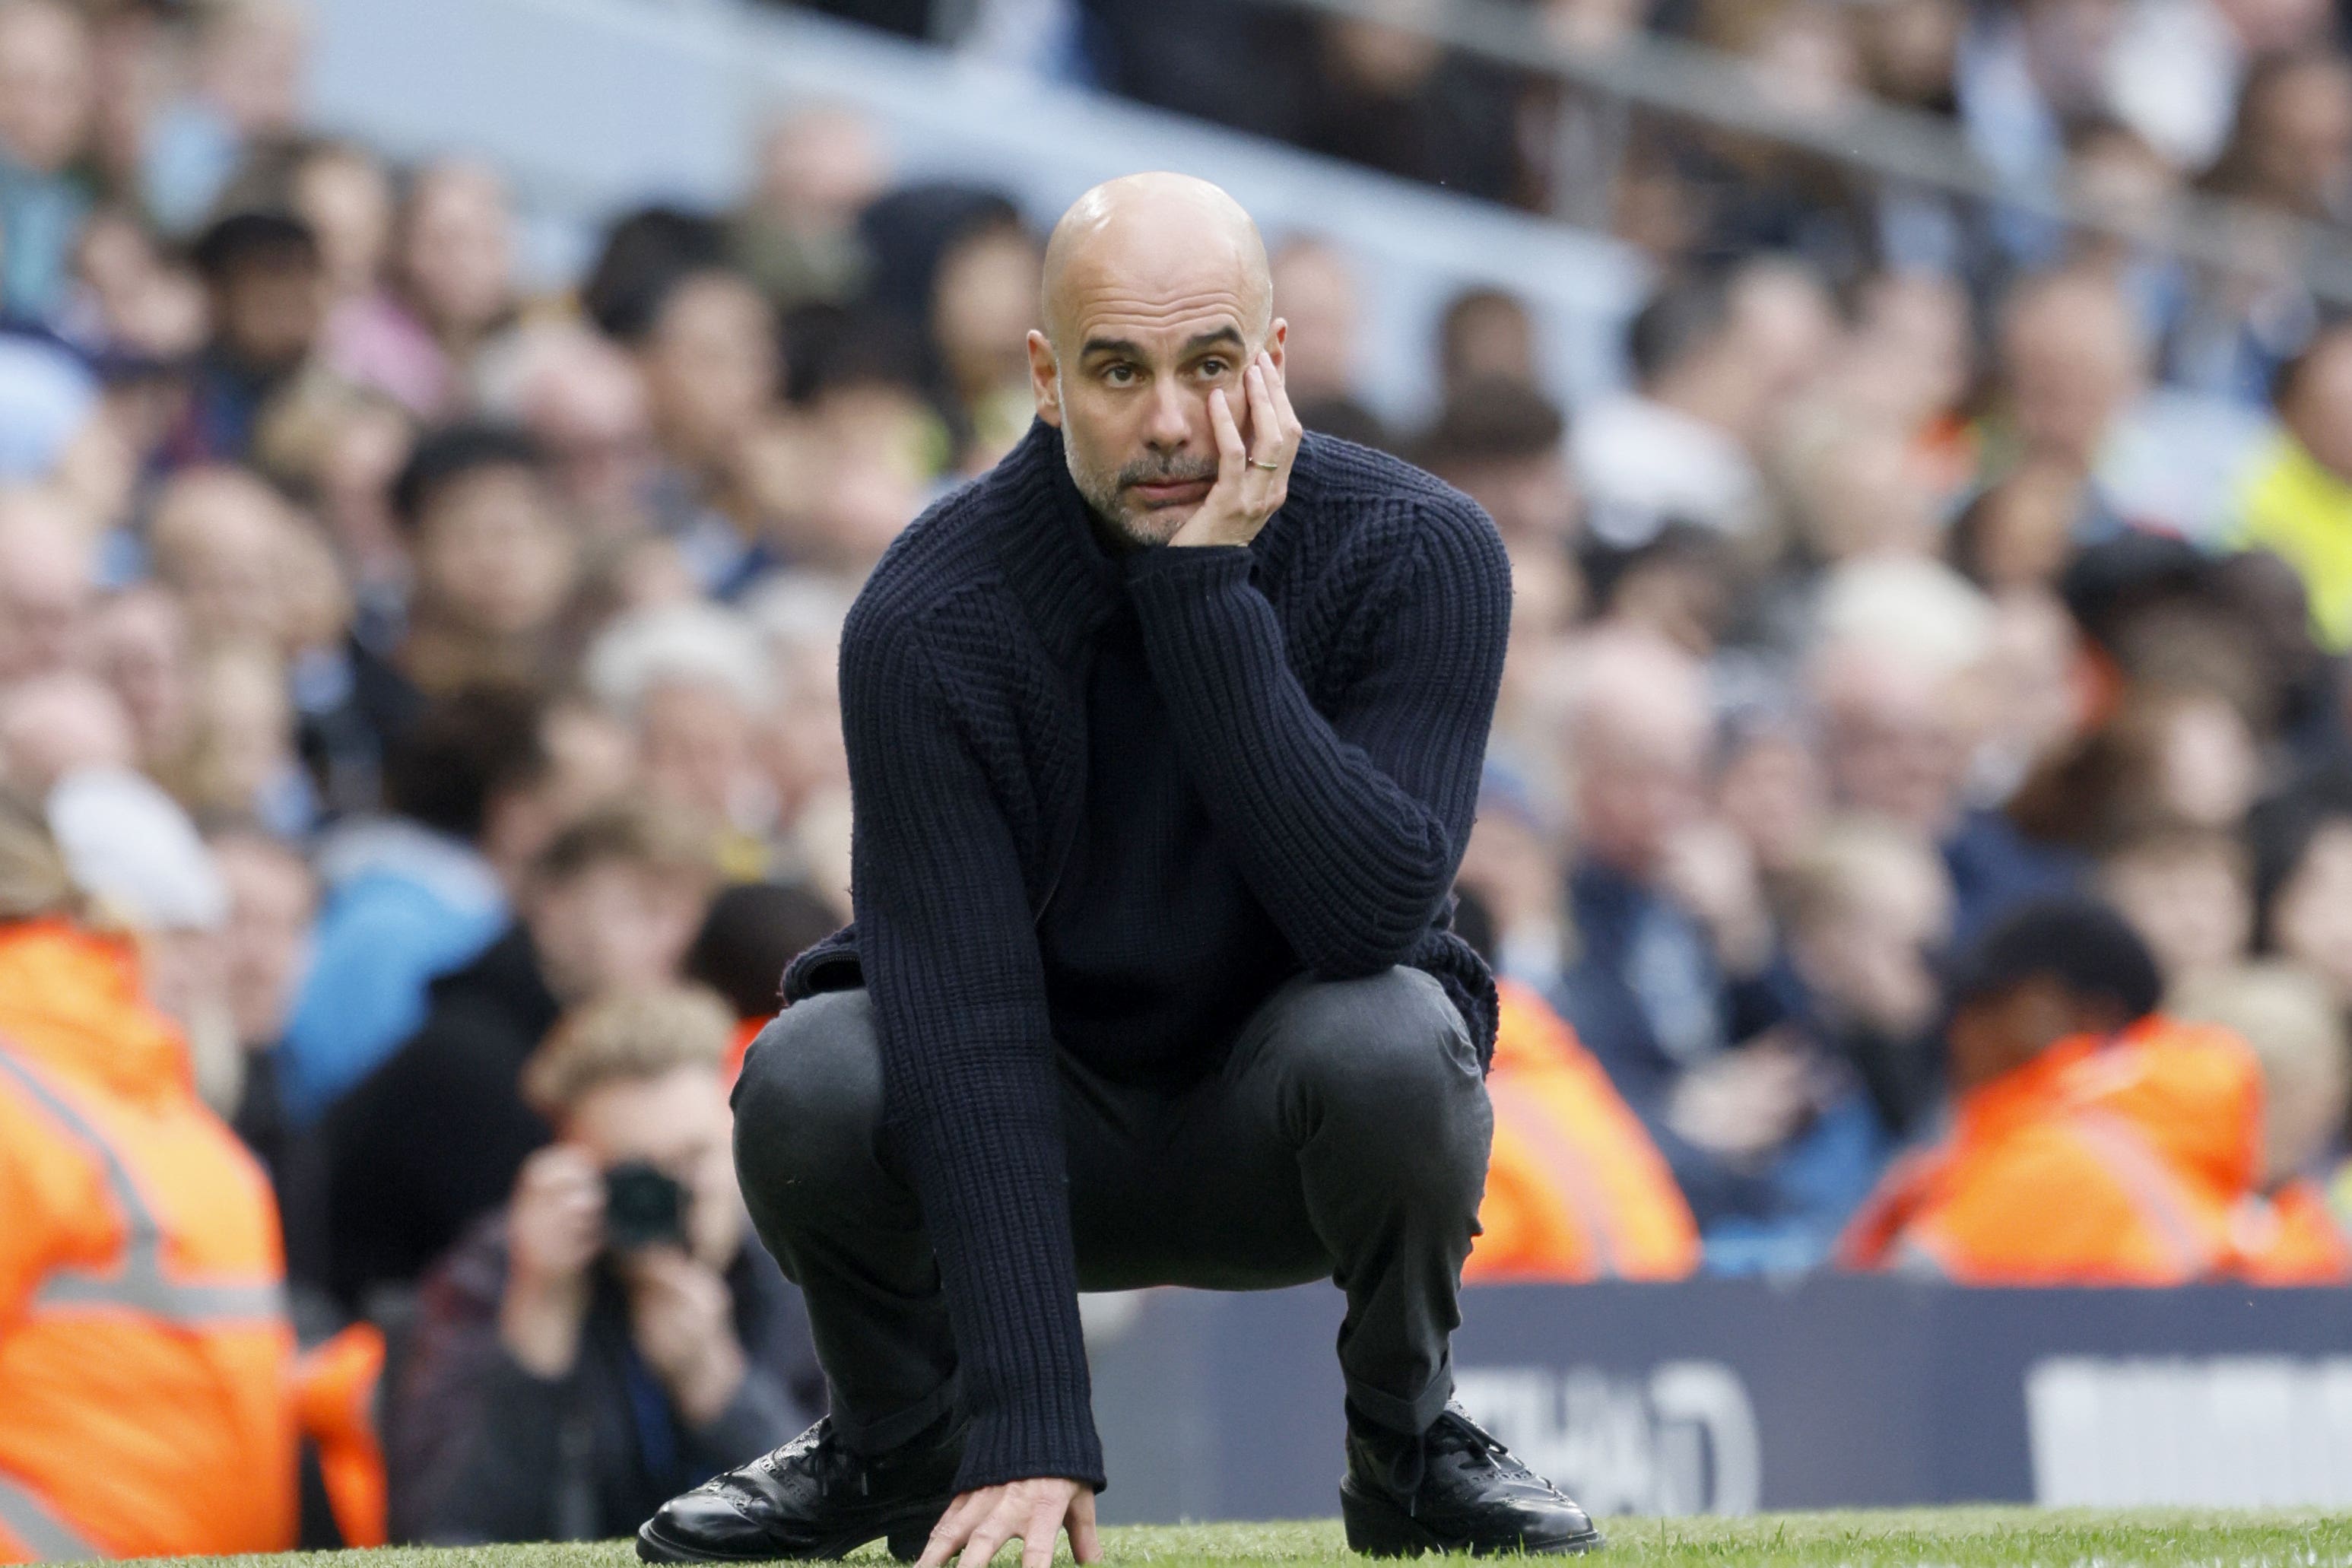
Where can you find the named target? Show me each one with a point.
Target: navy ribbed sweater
(1331, 687)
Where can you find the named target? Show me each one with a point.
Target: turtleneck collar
(1054, 557)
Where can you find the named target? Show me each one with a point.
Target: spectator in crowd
(796, 233)
(141, 1428)
(611, 1336)
(1892, 682)
(1486, 335)
(2188, 890)
(471, 797)
(1715, 358)
(46, 106)
(273, 900)
(46, 574)
(2298, 502)
(2284, 1232)
(494, 565)
(2095, 1140)
(2303, 880)
(751, 930)
(432, 1140)
(1575, 1189)
(1323, 303)
(268, 290)
(1500, 442)
(449, 286)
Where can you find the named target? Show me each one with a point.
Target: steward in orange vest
(148, 1395)
(2095, 1141)
(1575, 1189)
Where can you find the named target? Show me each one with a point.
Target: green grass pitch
(1960, 1538)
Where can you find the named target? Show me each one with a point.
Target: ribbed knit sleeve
(1351, 824)
(971, 1101)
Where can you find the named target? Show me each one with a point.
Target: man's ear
(1277, 340)
(1046, 379)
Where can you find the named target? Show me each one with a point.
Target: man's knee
(1389, 1056)
(810, 1099)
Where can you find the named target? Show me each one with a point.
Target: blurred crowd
(418, 724)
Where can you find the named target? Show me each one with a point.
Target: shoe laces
(1454, 1433)
(832, 1464)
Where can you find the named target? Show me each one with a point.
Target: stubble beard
(1105, 496)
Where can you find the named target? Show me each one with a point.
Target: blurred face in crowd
(711, 368)
(1321, 301)
(346, 198)
(1487, 336)
(2318, 407)
(1893, 746)
(1771, 792)
(1993, 1035)
(491, 555)
(2072, 359)
(245, 730)
(457, 249)
(219, 538)
(677, 1122)
(44, 83)
(144, 304)
(2297, 129)
(249, 60)
(1155, 296)
(57, 723)
(613, 924)
(1866, 948)
(45, 583)
(586, 409)
(2023, 527)
(139, 645)
(984, 302)
(695, 739)
(2311, 918)
(2188, 897)
(819, 169)
(1637, 747)
(272, 898)
(267, 308)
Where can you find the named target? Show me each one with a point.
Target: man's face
(1138, 350)
(271, 313)
(679, 1124)
(271, 900)
(710, 366)
(614, 925)
(44, 85)
(491, 553)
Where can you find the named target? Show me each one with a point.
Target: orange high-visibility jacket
(2290, 1236)
(145, 1356)
(2099, 1163)
(1575, 1189)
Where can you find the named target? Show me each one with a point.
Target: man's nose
(1171, 421)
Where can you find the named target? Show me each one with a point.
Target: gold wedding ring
(1269, 467)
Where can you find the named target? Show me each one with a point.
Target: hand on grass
(979, 1522)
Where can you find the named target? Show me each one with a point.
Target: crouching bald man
(1164, 738)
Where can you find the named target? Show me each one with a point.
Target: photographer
(609, 1339)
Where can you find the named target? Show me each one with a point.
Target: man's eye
(1120, 374)
(1214, 368)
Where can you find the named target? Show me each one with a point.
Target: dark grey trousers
(1345, 1138)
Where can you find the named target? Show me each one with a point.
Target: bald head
(1158, 237)
(1155, 297)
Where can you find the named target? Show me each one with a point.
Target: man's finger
(991, 1533)
(1037, 1535)
(1086, 1544)
(948, 1533)
(1233, 456)
(1265, 425)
